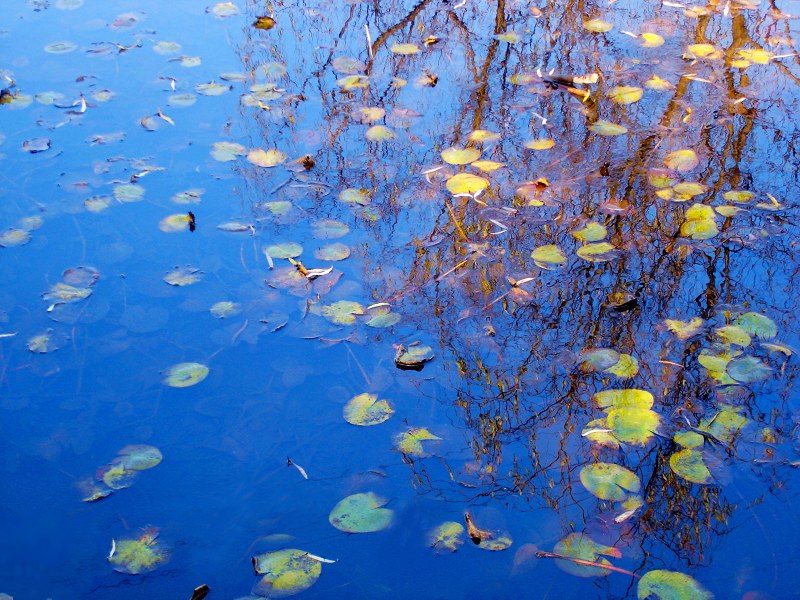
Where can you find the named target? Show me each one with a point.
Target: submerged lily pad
(14, 237)
(365, 409)
(140, 555)
(670, 585)
(225, 309)
(578, 545)
(361, 513)
(286, 572)
(410, 442)
(185, 374)
(183, 276)
(447, 536)
(688, 463)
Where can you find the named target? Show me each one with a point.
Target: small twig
(586, 563)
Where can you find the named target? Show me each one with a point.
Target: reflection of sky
(224, 483)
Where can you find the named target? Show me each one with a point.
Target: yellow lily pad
(466, 183)
(460, 156)
(410, 442)
(365, 409)
(361, 513)
(286, 572)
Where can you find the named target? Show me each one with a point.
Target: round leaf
(460, 156)
(365, 409)
(361, 513)
(670, 585)
(608, 481)
(286, 572)
(185, 374)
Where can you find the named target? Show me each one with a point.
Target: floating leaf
(333, 252)
(460, 156)
(404, 48)
(175, 223)
(591, 232)
(700, 223)
(651, 40)
(182, 276)
(383, 317)
(598, 359)
(269, 158)
(625, 94)
(165, 48)
(607, 128)
(731, 334)
(758, 325)
(544, 256)
(695, 51)
(284, 250)
(627, 366)
(185, 374)
(725, 425)
(347, 65)
(689, 464)
(689, 189)
(597, 252)
(328, 229)
(483, 136)
(414, 357)
(656, 83)
(466, 183)
(63, 293)
(182, 100)
(670, 585)
(488, 165)
(139, 457)
(355, 196)
(447, 536)
(225, 309)
(757, 55)
(380, 133)
(14, 237)
(608, 481)
(227, 151)
(140, 555)
(580, 546)
(410, 442)
(509, 37)
(365, 409)
(738, 196)
(597, 26)
(343, 312)
(598, 432)
(682, 160)
(685, 329)
(361, 513)
(36, 145)
(43, 343)
(748, 369)
(633, 425)
(60, 47)
(353, 82)
(128, 192)
(540, 144)
(286, 572)
(224, 9)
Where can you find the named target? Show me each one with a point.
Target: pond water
(523, 271)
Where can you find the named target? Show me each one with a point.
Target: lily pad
(410, 442)
(670, 585)
(128, 192)
(748, 369)
(682, 160)
(140, 555)
(365, 409)
(625, 94)
(284, 250)
(413, 357)
(607, 128)
(286, 572)
(548, 256)
(688, 463)
(266, 158)
(225, 309)
(460, 156)
(14, 237)
(466, 183)
(361, 513)
(609, 481)
(328, 229)
(183, 276)
(597, 252)
(447, 536)
(333, 252)
(578, 545)
(185, 374)
(685, 329)
(758, 325)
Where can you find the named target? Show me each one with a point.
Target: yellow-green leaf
(365, 409)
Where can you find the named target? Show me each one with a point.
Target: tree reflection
(452, 265)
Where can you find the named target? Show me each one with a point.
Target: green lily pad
(343, 312)
(633, 425)
(632, 398)
(447, 536)
(128, 192)
(607, 128)
(182, 276)
(609, 481)
(625, 94)
(689, 439)
(578, 545)
(410, 442)
(682, 160)
(758, 325)
(460, 156)
(333, 252)
(139, 457)
(598, 432)
(365, 409)
(724, 425)
(731, 334)
(361, 513)
(284, 250)
(185, 374)
(328, 229)
(670, 585)
(225, 309)
(383, 316)
(685, 329)
(591, 232)
(140, 555)
(688, 463)
(286, 572)
(597, 252)
(748, 369)
(549, 255)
